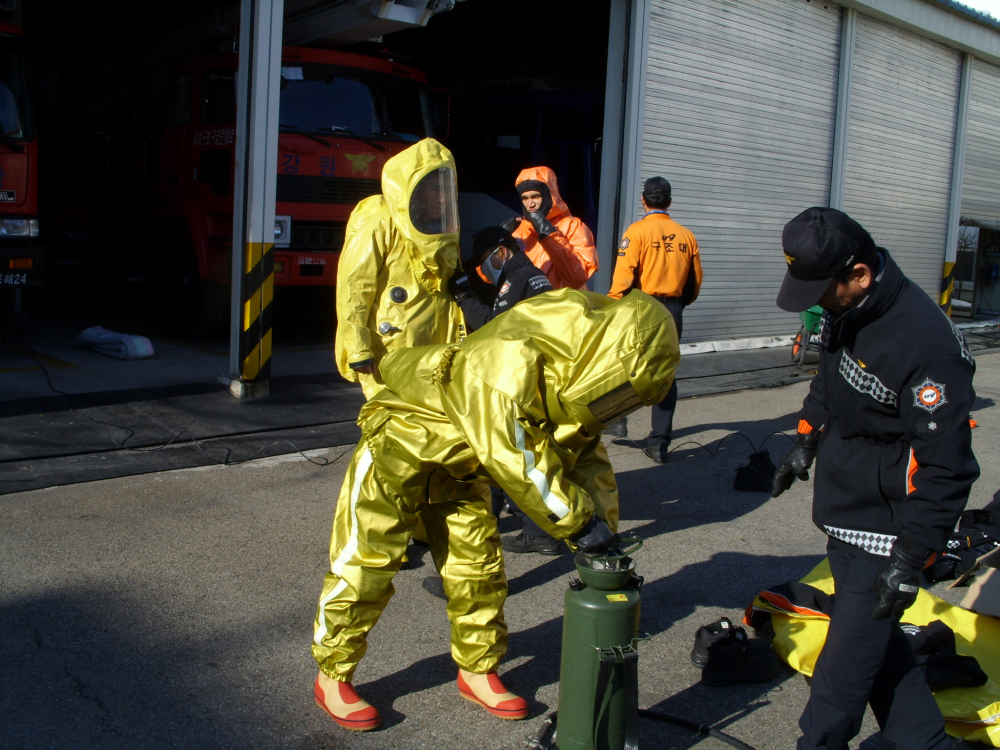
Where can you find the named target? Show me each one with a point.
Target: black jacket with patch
(893, 396)
(519, 280)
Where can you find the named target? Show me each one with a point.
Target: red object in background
(22, 257)
(342, 115)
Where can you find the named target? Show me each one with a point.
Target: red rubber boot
(344, 705)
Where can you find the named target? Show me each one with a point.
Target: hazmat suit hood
(420, 190)
(547, 177)
(573, 352)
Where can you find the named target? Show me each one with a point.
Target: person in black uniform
(498, 255)
(887, 421)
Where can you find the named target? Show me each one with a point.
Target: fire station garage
(122, 162)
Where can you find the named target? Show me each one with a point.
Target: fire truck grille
(311, 189)
(317, 235)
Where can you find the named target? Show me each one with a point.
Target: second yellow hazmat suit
(400, 249)
(519, 404)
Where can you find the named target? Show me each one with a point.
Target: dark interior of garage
(524, 81)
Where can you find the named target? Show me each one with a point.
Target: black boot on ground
(708, 635)
(617, 429)
(658, 452)
(543, 545)
(739, 660)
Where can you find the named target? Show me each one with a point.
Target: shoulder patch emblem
(929, 396)
(625, 243)
(505, 287)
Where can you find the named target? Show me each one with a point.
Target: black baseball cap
(819, 243)
(486, 240)
(656, 183)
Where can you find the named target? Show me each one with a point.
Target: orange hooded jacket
(568, 257)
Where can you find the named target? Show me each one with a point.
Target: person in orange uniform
(560, 245)
(660, 257)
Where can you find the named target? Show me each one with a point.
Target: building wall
(739, 103)
(981, 186)
(901, 137)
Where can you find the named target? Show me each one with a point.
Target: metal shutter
(739, 116)
(904, 102)
(981, 186)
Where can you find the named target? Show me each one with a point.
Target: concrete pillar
(257, 96)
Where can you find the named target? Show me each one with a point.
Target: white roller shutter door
(904, 103)
(739, 117)
(981, 186)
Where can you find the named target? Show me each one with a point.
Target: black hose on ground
(540, 742)
(702, 730)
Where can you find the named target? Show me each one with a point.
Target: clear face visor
(434, 203)
(615, 404)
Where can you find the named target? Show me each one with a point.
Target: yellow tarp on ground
(972, 713)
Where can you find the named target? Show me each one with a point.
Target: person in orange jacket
(660, 257)
(555, 241)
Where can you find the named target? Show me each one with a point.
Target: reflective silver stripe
(364, 464)
(321, 630)
(537, 478)
(360, 472)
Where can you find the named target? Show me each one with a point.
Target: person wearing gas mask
(555, 241)
(454, 419)
(497, 254)
(400, 249)
(499, 257)
(887, 422)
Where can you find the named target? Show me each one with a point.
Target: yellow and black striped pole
(258, 293)
(947, 286)
(256, 170)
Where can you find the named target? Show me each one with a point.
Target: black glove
(898, 579)
(542, 225)
(596, 538)
(796, 463)
(459, 286)
(511, 224)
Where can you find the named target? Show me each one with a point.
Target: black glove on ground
(596, 538)
(459, 286)
(541, 224)
(796, 463)
(898, 578)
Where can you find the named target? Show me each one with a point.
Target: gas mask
(492, 274)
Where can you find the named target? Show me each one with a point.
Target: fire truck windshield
(328, 99)
(15, 97)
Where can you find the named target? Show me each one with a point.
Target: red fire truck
(342, 115)
(22, 258)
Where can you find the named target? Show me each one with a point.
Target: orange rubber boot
(345, 706)
(489, 692)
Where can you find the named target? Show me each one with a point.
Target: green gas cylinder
(597, 681)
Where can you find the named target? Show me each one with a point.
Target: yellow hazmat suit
(400, 249)
(519, 404)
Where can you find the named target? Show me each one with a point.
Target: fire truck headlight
(18, 227)
(282, 231)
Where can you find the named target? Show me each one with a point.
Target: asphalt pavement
(174, 609)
